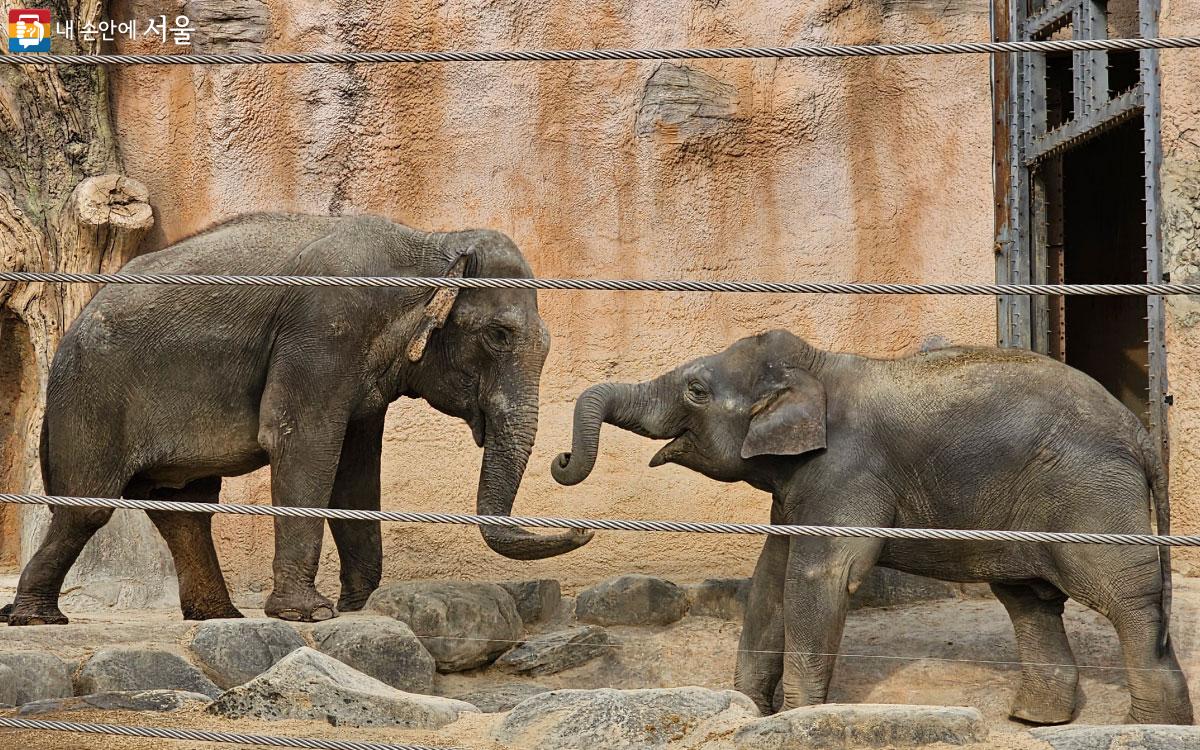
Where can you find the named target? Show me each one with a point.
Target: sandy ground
(943, 653)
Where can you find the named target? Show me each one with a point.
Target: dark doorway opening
(1104, 242)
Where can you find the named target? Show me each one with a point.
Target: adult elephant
(159, 391)
(961, 438)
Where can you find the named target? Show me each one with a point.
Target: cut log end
(114, 200)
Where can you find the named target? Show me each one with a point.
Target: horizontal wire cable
(201, 735)
(618, 285)
(604, 524)
(591, 55)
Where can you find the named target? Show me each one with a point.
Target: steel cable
(617, 285)
(201, 735)
(588, 55)
(604, 524)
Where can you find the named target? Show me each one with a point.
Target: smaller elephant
(963, 438)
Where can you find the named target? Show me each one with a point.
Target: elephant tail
(1156, 476)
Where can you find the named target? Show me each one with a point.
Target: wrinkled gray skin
(159, 391)
(968, 438)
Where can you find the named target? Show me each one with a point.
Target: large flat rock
(463, 624)
(158, 701)
(310, 685)
(27, 676)
(235, 651)
(832, 727)
(620, 719)
(498, 698)
(381, 647)
(632, 600)
(1134, 737)
(551, 653)
(133, 668)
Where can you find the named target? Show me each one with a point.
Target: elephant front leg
(760, 650)
(359, 543)
(821, 574)
(304, 446)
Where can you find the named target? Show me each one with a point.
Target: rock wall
(867, 170)
(1180, 175)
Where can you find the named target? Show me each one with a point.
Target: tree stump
(64, 206)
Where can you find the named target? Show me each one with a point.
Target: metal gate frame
(1025, 235)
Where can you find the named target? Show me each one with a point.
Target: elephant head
(726, 415)
(477, 355)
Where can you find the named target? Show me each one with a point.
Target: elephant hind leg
(1125, 585)
(202, 591)
(1049, 677)
(70, 530)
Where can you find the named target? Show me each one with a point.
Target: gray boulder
(381, 647)
(144, 700)
(620, 719)
(1141, 737)
(463, 624)
(632, 600)
(498, 698)
(723, 598)
(234, 651)
(27, 676)
(535, 600)
(832, 727)
(310, 685)
(132, 668)
(554, 652)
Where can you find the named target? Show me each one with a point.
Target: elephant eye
(499, 338)
(697, 393)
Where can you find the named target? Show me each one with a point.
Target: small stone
(463, 624)
(234, 651)
(832, 727)
(535, 600)
(723, 598)
(308, 685)
(144, 700)
(27, 676)
(552, 653)
(494, 700)
(381, 647)
(632, 600)
(129, 668)
(1141, 737)
(620, 719)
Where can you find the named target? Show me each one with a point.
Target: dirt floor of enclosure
(949, 652)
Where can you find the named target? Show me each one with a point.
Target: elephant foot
(224, 612)
(1044, 707)
(1166, 712)
(28, 616)
(311, 607)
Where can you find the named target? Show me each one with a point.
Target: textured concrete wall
(1180, 176)
(868, 170)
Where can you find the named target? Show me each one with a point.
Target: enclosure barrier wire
(198, 735)
(589, 55)
(606, 524)
(616, 285)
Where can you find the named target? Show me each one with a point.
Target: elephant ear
(789, 420)
(437, 310)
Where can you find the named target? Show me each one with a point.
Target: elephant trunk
(507, 444)
(628, 406)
